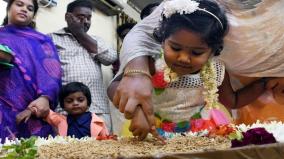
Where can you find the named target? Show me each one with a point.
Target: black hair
(148, 9)
(79, 3)
(74, 87)
(10, 2)
(206, 25)
(123, 27)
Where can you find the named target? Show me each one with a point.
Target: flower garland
(209, 78)
(163, 76)
(213, 109)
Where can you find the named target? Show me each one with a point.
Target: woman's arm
(242, 97)
(135, 89)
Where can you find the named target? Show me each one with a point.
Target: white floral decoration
(169, 75)
(180, 6)
(185, 7)
(209, 78)
(274, 127)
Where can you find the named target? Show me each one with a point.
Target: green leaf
(183, 124)
(236, 135)
(158, 91)
(158, 116)
(166, 120)
(196, 116)
(32, 152)
(25, 149)
(18, 149)
(9, 147)
(11, 155)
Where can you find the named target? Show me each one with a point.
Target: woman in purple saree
(34, 80)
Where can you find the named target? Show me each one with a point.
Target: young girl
(188, 81)
(30, 72)
(75, 99)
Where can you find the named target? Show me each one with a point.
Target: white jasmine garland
(160, 65)
(209, 77)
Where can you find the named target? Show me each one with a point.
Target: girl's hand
(40, 107)
(140, 127)
(23, 116)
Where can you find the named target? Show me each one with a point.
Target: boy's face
(185, 52)
(76, 103)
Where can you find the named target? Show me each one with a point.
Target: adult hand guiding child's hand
(134, 91)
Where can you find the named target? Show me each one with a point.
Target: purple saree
(36, 72)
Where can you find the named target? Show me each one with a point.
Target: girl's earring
(218, 51)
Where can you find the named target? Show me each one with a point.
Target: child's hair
(148, 9)
(123, 27)
(211, 29)
(79, 3)
(10, 2)
(74, 87)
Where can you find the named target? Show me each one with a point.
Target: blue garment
(79, 126)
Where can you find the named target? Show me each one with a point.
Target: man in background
(81, 55)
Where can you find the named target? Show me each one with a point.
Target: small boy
(75, 99)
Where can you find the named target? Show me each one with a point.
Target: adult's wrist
(45, 97)
(138, 63)
(137, 72)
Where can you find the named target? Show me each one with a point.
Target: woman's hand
(40, 107)
(276, 85)
(133, 91)
(23, 116)
(5, 57)
(136, 89)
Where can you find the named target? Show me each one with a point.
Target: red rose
(158, 80)
(168, 126)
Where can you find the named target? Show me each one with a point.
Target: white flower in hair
(185, 7)
(179, 6)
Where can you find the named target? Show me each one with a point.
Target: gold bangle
(131, 72)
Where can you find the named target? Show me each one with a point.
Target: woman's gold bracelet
(132, 72)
